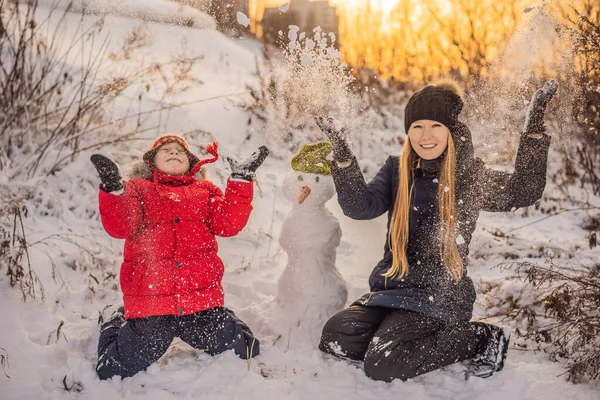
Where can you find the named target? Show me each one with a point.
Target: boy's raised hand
(534, 119)
(109, 173)
(336, 135)
(246, 169)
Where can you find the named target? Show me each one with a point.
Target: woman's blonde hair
(399, 227)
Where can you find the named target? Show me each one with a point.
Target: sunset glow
(384, 5)
(419, 39)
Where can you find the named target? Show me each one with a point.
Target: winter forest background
(86, 76)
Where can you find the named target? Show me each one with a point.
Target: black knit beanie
(433, 103)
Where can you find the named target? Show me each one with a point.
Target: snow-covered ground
(149, 10)
(52, 344)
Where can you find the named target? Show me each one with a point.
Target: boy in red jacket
(171, 273)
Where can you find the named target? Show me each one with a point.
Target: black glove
(246, 169)
(109, 173)
(534, 119)
(341, 149)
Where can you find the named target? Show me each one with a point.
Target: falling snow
(306, 59)
(243, 19)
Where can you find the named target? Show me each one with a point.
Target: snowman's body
(310, 289)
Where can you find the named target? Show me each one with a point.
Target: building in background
(305, 14)
(224, 12)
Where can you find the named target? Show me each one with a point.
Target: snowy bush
(46, 102)
(14, 253)
(55, 106)
(54, 103)
(4, 361)
(553, 306)
(564, 317)
(586, 31)
(579, 25)
(560, 314)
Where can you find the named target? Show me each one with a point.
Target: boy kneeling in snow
(171, 273)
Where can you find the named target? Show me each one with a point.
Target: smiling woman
(428, 138)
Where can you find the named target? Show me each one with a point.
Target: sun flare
(385, 5)
(416, 39)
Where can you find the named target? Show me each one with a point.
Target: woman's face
(428, 138)
(172, 159)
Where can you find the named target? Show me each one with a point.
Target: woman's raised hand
(336, 135)
(534, 120)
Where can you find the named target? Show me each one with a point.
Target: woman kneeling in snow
(171, 274)
(417, 315)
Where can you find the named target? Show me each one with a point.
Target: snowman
(310, 289)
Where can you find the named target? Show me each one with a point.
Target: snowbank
(161, 11)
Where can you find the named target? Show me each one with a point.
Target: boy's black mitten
(341, 149)
(534, 120)
(246, 169)
(109, 173)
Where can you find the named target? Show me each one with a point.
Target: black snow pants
(400, 344)
(130, 348)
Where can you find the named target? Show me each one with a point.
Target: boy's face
(172, 159)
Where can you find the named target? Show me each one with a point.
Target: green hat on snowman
(312, 159)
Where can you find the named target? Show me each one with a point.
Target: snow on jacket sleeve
(121, 214)
(230, 212)
(502, 191)
(358, 199)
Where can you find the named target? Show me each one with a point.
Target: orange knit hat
(169, 137)
(195, 162)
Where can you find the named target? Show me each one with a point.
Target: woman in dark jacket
(416, 317)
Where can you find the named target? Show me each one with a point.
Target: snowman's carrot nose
(304, 194)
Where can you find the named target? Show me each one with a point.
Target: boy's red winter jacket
(169, 225)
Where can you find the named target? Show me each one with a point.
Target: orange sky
(385, 5)
(375, 40)
(345, 7)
